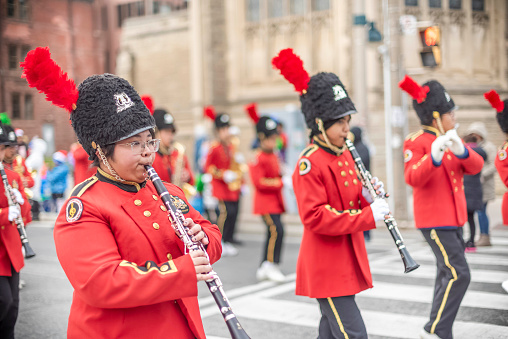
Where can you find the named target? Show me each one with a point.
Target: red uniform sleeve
(211, 164)
(259, 179)
(27, 176)
(501, 164)
(473, 163)
(89, 255)
(317, 213)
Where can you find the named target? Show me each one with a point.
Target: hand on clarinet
(18, 196)
(14, 212)
(455, 144)
(380, 209)
(201, 264)
(196, 232)
(379, 187)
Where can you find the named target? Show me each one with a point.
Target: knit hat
(427, 99)
(59, 157)
(104, 109)
(323, 96)
(164, 120)
(501, 108)
(477, 127)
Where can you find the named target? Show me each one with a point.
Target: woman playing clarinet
(332, 264)
(11, 256)
(131, 275)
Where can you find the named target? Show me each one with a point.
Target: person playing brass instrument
(171, 162)
(226, 179)
(131, 275)
(435, 161)
(332, 263)
(11, 256)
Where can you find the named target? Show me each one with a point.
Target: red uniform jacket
(502, 167)
(267, 181)
(130, 276)
(18, 165)
(10, 242)
(333, 260)
(438, 191)
(165, 165)
(219, 159)
(82, 166)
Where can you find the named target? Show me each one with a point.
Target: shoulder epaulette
(309, 150)
(414, 135)
(79, 189)
(505, 146)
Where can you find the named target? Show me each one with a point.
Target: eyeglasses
(138, 147)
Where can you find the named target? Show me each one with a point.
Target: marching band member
(226, 179)
(132, 277)
(83, 168)
(11, 255)
(332, 264)
(265, 174)
(436, 160)
(170, 160)
(501, 163)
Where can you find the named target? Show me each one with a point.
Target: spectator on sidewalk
(57, 178)
(478, 130)
(474, 193)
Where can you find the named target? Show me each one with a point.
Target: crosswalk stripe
(427, 271)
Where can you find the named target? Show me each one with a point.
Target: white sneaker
(426, 335)
(228, 250)
(22, 284)
(270, 271)
(505, 285)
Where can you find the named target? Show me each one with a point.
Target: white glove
(245, 190)
(287, 181)
(206, 178)
(14, 212)
(229, 176)
(17, 195)
(380, 208)
(438, 148)
(456, 145)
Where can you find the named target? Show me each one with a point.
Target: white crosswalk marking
(269, 303)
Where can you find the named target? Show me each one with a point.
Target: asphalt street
(397, 306)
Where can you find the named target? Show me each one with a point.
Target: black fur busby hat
(222, 120)
(429, 98)
(108, 110)
(323, 96)
(501, 108)
(266, 126)
(164, 120)
(326, 99)
(103, 110)
(9, 135)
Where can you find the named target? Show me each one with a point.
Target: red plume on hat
(42, 72)
(148, 102)
(209, 112)
(252, 111)
(416, 91)
(291, 67)
(494, 100)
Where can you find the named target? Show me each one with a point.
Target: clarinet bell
(29, 252)
(409, 263)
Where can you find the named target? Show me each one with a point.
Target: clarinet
(214, 284)
(11, 198)
(409, 263)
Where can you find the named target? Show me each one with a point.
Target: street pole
(387, 84)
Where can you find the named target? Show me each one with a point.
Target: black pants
(9, 304)
(341, 318)
(452, 279)
(274, 236)
(472, 225)
(228, 213)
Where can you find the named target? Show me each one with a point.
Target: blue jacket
(57, 178)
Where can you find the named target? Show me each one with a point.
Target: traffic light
(431, 52)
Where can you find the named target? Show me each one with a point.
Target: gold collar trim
(336, 151)
(431, 129)
(112, 178)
